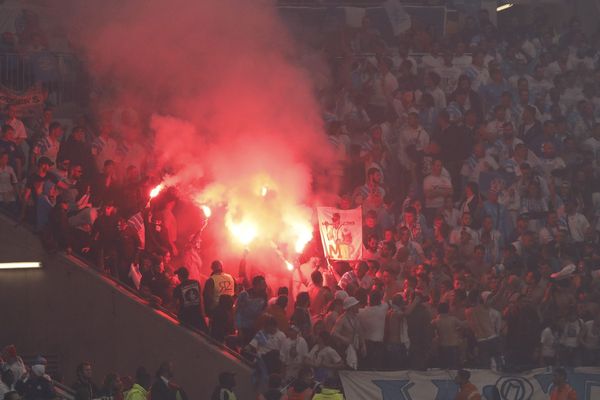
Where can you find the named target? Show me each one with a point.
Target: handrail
(141, 299)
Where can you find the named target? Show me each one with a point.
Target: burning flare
(156, 190)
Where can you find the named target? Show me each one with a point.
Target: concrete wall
(68, 310)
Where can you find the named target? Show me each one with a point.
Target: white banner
(439, 385)
(341, 233)
(399, 19)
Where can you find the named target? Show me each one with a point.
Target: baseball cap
(350, 302)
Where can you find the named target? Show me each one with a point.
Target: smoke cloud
(226, 100)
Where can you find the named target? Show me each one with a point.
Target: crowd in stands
(477, 167)
(32, 382)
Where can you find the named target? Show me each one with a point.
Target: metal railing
(59, 73)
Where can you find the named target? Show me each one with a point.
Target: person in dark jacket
(84, 387)
(189, 300)
(78, 151)
(163, 388)
(37, 385)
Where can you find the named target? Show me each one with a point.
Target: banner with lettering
(439, 385)
(341, 233)
(33, 97)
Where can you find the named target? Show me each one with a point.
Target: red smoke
(224, 97)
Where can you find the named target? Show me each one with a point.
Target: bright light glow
(263, 191)
(504, 7)
(244, 232)
(304, 235)
(206, 210)
(156, 190)
(289, 265)
(20, 265)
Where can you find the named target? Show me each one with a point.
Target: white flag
(399, 18)
(341, 233)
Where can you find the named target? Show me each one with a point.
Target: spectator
(141, 389)
(302, 388)
(294, 351)
(561, 389)
(8, 185)
(48, 146)
(278, 311)
(164, 388)
(16, 123)
(224, 390)
(222, 321)
(449, 331)
(467, 391)
(78, 151)
(249, 306)
(84, 387)
(372, 324)
(301, 316)
(188, 298)
(219, 283)
(348, 331)
(7, 382)
(330, 390)
(323, 357)
(36, 385)
(112, 387)
(436, 187)
(273, 391)
(13, 362)
(267, 345)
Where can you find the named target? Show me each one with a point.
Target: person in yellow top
(330, 390)
(217, 284)
(561, 390)
(140, 390)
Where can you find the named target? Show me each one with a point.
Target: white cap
(341, 295)
(350, 302)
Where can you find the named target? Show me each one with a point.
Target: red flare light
(156, 190)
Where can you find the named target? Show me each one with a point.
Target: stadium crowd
(32, 382)
(477, 166)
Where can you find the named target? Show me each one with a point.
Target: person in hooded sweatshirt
(37, 385)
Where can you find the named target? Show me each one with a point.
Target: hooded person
(37, 384)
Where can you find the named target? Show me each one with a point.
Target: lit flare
(156, 190)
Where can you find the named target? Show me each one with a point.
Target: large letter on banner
(341, 233)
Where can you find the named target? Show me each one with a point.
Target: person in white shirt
(577, 224)
(448, 73)
(294, 351)
(323, 357)
(461, 60)
(372, 322)
(464, 232)
(570, 338)
(383, 87)
(549, 340)
(268, 339)
(413, 139)
(432, 82)
(590, 339)
(436, 187)
(8, 182)
(16, 123)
